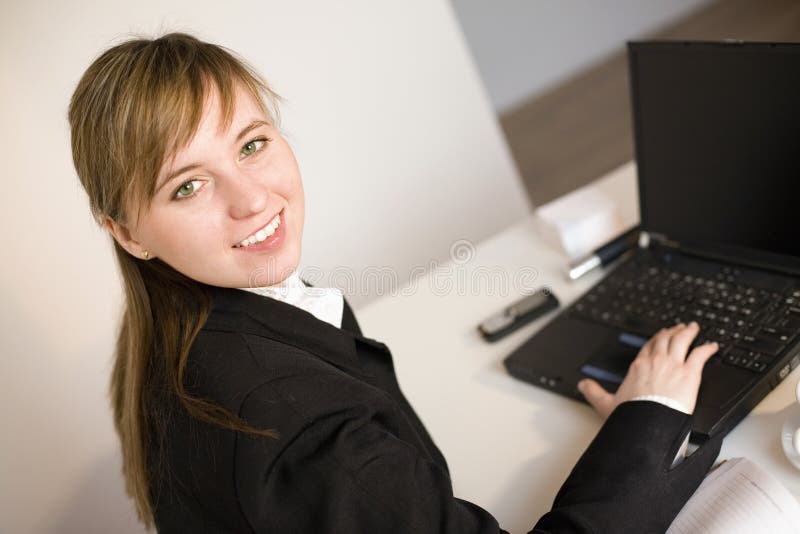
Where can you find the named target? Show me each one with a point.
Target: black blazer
(353, 456)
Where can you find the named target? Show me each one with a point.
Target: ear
(123, 236)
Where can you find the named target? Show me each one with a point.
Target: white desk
(509, 444)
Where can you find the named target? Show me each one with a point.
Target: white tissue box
(580, 221)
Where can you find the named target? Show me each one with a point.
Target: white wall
(401, 155)
(524, 47)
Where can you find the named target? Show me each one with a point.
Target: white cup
(790, 436)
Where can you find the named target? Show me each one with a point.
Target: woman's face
(221, 191)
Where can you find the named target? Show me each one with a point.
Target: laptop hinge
(650, 240)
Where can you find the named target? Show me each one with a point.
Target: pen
(605, 254)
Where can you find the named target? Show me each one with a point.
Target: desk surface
(510, 445)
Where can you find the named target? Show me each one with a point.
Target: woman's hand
(660, 368)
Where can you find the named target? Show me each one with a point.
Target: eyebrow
(186, 168)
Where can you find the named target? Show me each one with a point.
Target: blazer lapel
(349, 320)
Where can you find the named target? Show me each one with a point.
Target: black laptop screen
(717, 134)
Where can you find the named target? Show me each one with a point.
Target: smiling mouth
(263, 233)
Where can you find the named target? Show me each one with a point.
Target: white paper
(739, 497)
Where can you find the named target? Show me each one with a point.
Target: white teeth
(262, 234)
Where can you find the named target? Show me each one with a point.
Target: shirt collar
(326, 304)
(282, 290)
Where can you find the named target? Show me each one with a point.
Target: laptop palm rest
(611, 361)
(609, 364)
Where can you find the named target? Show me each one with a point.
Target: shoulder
(248, 351)
(308, 395)
(228, 367)
(246, 372)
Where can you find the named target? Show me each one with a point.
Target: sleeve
(623, 483)
(343, 465)
(672, 403)
(666, 401)
(343, 468)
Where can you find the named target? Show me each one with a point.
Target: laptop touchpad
(610, 363)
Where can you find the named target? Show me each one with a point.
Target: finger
(680, 342)
(701, 354)
(661, 343)
(599, 398)
(648, 348)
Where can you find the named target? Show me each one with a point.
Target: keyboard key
(644, 295)
(760, 344)
(764, 358)
(776, 335)
(787, 323)
(745, 361)
(734, 356)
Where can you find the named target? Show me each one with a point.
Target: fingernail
(693, 324)
(581, 385)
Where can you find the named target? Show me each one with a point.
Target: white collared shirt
(324, 303)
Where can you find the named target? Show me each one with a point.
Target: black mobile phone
(518, 314)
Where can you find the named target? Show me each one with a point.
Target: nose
(245, 195)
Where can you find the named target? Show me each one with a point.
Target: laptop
(717, 144)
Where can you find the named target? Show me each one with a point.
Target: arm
(341, 466)
(625, 481)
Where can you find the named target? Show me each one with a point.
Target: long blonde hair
(134, 107)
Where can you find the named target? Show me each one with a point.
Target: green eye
(187, 189)
(254, 146)
(249, 148)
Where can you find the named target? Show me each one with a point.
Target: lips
(262, 233)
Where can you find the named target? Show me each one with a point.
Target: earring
(145, 254)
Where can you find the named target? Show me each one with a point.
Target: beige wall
(401, 155)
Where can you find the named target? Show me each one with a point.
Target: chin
(272, 272)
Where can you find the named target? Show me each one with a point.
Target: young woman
(246, 412)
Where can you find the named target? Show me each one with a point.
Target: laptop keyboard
(752, 325)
